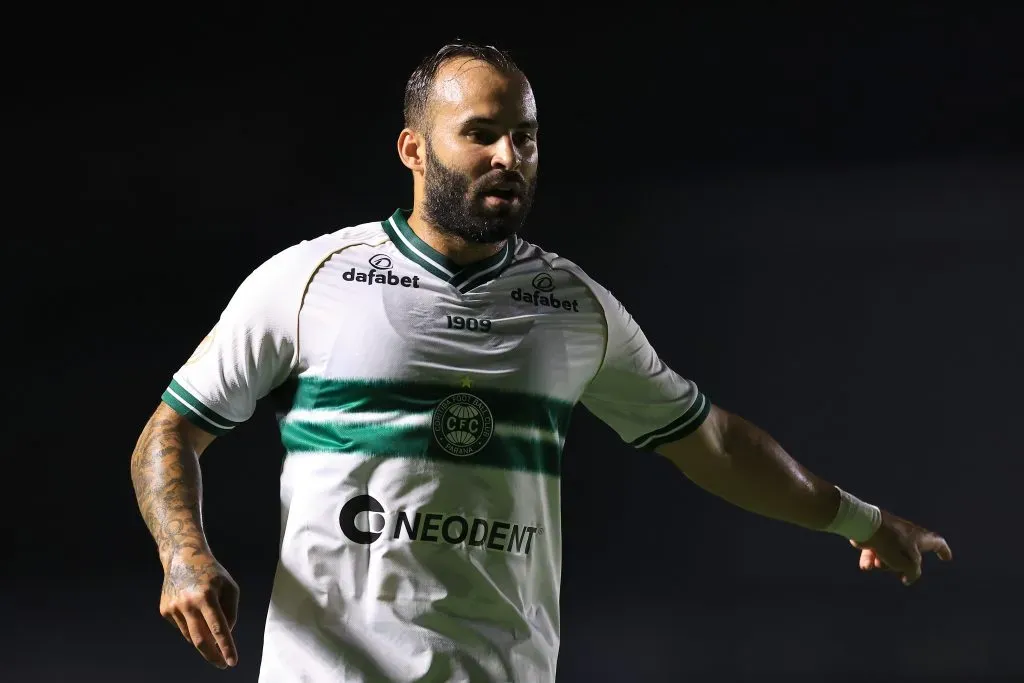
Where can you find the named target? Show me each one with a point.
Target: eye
(483, 137)
(523, 137)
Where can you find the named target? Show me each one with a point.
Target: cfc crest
(462, 424)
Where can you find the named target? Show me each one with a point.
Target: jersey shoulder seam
(324, 257)
(561, 263)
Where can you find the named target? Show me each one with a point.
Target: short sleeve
(250, 351)
(634, 392)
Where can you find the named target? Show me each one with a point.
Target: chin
(485, 210)
(509, 213)
(491, 229)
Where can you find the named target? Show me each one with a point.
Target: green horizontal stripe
(192, 409)
(354, 396)
(509, 452)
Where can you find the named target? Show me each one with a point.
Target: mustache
(502, 179)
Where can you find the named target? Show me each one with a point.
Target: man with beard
(426, 367)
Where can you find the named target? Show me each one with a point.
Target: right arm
(168, 483)
(198, 594)
(250, 350)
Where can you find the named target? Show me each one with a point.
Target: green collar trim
(463, 278)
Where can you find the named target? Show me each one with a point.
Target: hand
(898, 546)
(201, 599)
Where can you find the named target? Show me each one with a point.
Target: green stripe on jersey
(505, 449)
(187, 405)
(684, 425)
(480, 426)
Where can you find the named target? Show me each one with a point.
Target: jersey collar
(463, 278)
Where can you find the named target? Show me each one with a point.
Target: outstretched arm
(740, 463)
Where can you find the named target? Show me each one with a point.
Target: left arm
(740, 463)
(654, 408)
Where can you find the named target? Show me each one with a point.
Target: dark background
(816, 216)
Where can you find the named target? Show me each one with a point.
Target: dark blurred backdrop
(815, 215)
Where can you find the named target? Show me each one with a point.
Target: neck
(457, 249)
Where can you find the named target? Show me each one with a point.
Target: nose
(506, 154)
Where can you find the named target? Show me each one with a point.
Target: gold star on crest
(466, 382)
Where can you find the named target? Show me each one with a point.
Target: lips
(506, 191)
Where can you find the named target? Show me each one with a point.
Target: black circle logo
(381, 261)
(373, 510)
(544, 282)
(462, 424)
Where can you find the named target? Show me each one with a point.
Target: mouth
(502, 194)
(505, 195)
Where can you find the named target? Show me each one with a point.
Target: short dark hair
(420, 83)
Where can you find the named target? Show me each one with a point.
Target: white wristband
(855, 520)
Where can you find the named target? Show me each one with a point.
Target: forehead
(466, 88)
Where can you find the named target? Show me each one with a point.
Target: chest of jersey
(369, 314)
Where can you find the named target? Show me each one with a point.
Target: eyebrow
(487, 121)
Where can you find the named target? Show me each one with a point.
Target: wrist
(855, 519)
(188, 553)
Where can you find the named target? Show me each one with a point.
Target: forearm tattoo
(168, 488)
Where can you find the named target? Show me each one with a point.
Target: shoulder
(277, 285)
(565, 271)
(297, 263)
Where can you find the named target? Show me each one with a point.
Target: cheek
(531, 158)
(469, 165)
(458, 155)
(476, 163)
(528, 166)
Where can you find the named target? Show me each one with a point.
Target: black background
(816, 216)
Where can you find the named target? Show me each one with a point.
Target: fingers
(203, 623)
(911, 575)
(229, 604)
(202, 638)
(937, 544)
(913, 572)
(175, 619)
(906, 557)
(218, 627)
(928, 542)
(867, 560)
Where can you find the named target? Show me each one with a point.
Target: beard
(456, 206)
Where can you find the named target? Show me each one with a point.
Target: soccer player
(426, 366)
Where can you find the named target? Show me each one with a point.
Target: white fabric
(420, 494)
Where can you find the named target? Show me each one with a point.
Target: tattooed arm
(168, 483)
(198, 596)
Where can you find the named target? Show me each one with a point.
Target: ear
(411, 150)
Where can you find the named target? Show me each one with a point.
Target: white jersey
(424, 407)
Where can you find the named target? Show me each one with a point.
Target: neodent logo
(434, 527)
